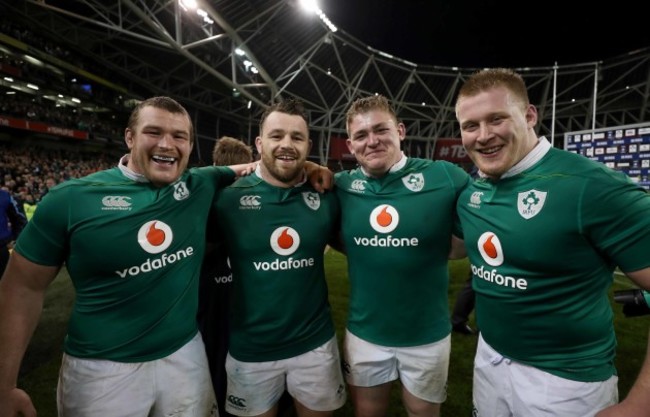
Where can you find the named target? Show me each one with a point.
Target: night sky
(483, 33)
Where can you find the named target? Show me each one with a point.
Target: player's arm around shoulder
(459, 177)
(241, 170)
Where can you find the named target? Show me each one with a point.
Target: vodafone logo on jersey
(384, 218)
(285, 240)
(155, 236)
(489, 246)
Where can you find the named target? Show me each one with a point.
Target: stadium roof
(227, 64)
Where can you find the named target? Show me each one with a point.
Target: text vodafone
(156, 263)
(278, 265)
(495, 277)
(386, 242)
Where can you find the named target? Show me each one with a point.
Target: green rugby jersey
(543, 244)
(397, 231)
(133, 252)
(276, 239)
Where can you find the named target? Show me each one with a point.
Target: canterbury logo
(116, 202)
(236, 401)
(250, 202)
(358, 185)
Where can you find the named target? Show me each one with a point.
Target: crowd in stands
(29, 172)
(61, 81)
(35, 108)
(30, 38)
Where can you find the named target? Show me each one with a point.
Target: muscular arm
(637, 402)
(22, 290)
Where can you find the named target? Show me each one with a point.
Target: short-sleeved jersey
(397, 232)
(133, 252)
(276, 239)
(543, 245)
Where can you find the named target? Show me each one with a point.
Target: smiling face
(160, 142)
(374, 140)
(284, 145)
(496, 128)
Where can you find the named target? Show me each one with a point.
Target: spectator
(12, 222)
(29, 206)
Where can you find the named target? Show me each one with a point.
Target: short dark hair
(231, 151)
(291, 106)
(160, 102)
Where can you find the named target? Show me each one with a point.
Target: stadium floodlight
(11, 80)
(311, 6)
(33, 86)
(188, 4)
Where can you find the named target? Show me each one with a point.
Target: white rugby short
(504, 387)
(314, 379)
(177, 385)
(423, 370)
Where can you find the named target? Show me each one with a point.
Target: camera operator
(635, 302)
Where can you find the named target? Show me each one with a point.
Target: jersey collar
(129, 173)
(534, 156)
(396, 167)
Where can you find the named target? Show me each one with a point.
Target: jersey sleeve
(44, 239)
(222, 176)
(615, 216)
(459, 179)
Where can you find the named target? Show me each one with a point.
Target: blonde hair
(490, 78)
(366, 104)
(231, 151)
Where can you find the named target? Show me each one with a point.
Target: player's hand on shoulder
(241, 170)
(319, 176)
